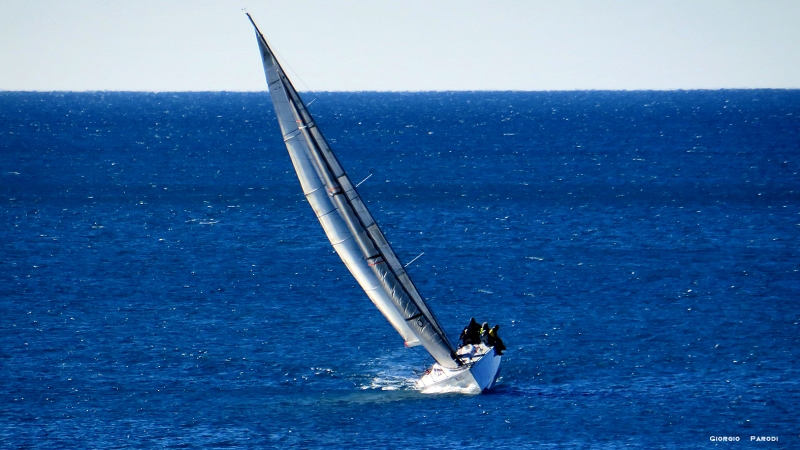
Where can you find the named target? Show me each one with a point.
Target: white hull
(479, 374)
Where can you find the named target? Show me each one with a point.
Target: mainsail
(348, 224)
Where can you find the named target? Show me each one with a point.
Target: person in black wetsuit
(471, 334)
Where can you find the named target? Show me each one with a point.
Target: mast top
(254, 24)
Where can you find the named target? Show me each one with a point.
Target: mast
(346, 220)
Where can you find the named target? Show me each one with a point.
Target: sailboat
(360, 243)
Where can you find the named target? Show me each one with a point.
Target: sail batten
(353, 231)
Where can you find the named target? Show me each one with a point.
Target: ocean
(164, 284)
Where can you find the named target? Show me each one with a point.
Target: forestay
(348, 224)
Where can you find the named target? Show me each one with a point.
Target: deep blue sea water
(164, 284)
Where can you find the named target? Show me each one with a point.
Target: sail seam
(319, 217)
(339, 242)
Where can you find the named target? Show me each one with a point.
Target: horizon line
(401, 91)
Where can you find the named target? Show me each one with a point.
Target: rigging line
(365, 179)
(425, 357)
(308, 89)
(286, 62)
(409, 263)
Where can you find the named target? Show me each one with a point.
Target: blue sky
(350, 45)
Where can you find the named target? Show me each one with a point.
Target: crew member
(494, 340)
(471, 334)
(485, 333)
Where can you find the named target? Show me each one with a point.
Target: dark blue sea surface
(164, 284)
